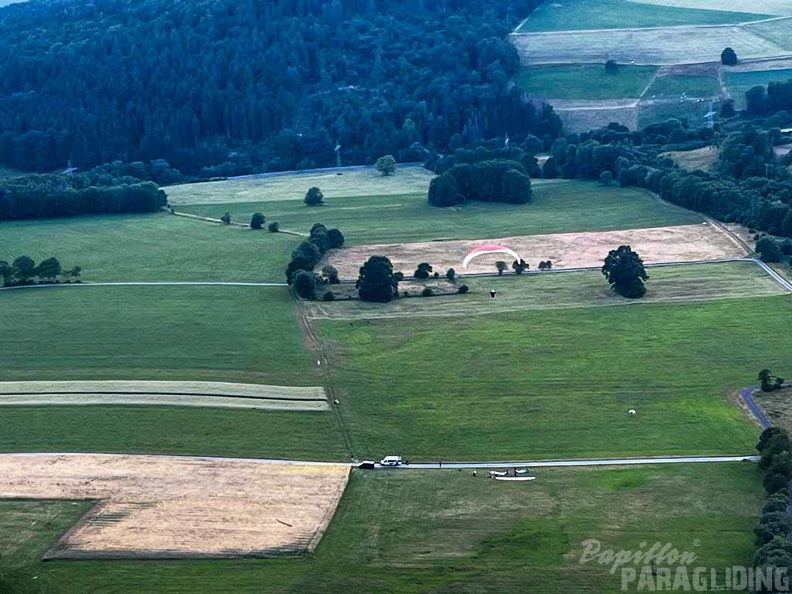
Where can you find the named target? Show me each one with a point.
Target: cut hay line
(166, 393)
(167, 507)
(207, 401)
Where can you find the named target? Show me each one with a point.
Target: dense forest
(223, 87)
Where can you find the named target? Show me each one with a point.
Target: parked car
(391, 461)
(367, 465)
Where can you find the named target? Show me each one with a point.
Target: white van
(391, 461)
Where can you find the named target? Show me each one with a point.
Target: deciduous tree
(625, 272)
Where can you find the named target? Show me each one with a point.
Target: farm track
(316, 346)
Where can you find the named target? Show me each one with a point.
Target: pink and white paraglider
(483, 250)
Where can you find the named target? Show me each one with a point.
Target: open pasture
(675, 45)
(447, 531)
(565, 250)
(203, 394)
(166, 507)
(558, 206)
(334, 184)
(549, 291)
(151, 248)
(564, 15)
(584, 81)
(231, 334)
(195, 333)
(675, 86)
(540, 384)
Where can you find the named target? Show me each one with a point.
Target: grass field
(567, 15)
(703, 158)
(558, 206)
(739, 82)
(410, 532)
(360, 182)
(674, 86)
(548, 384)
(584, 81)
(544, 292)
(691, 111)
(169, 430)
(233, 334)
(151, 247)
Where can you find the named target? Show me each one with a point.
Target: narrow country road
(152, 284)
(564, 463)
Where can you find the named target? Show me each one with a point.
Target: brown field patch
(179, 507)
(565, 250)
(163, 393)
(777, 406)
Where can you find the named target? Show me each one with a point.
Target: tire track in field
(317, 347)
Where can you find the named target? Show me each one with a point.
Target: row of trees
(750, 186)
(219, 87)
(488, 181)
(774, 550)
(49, 196)
(24, 271)
(310, 252)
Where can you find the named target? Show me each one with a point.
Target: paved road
(747, 397)
(152, 284)
(562, 463)
(449, 465)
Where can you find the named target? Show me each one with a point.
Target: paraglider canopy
(490, 248)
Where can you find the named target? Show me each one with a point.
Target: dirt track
(171, 507)
(565, 250)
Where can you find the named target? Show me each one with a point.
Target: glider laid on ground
(490, 248)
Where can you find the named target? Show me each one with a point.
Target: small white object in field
(631, 411)
(335, 401)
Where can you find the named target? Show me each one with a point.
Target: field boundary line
(233, 224)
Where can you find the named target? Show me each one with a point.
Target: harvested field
(777, 406)
(357, 182)
(206, 394)
(673, 45)
(778, 31)
(162, 507)
(565, 250)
